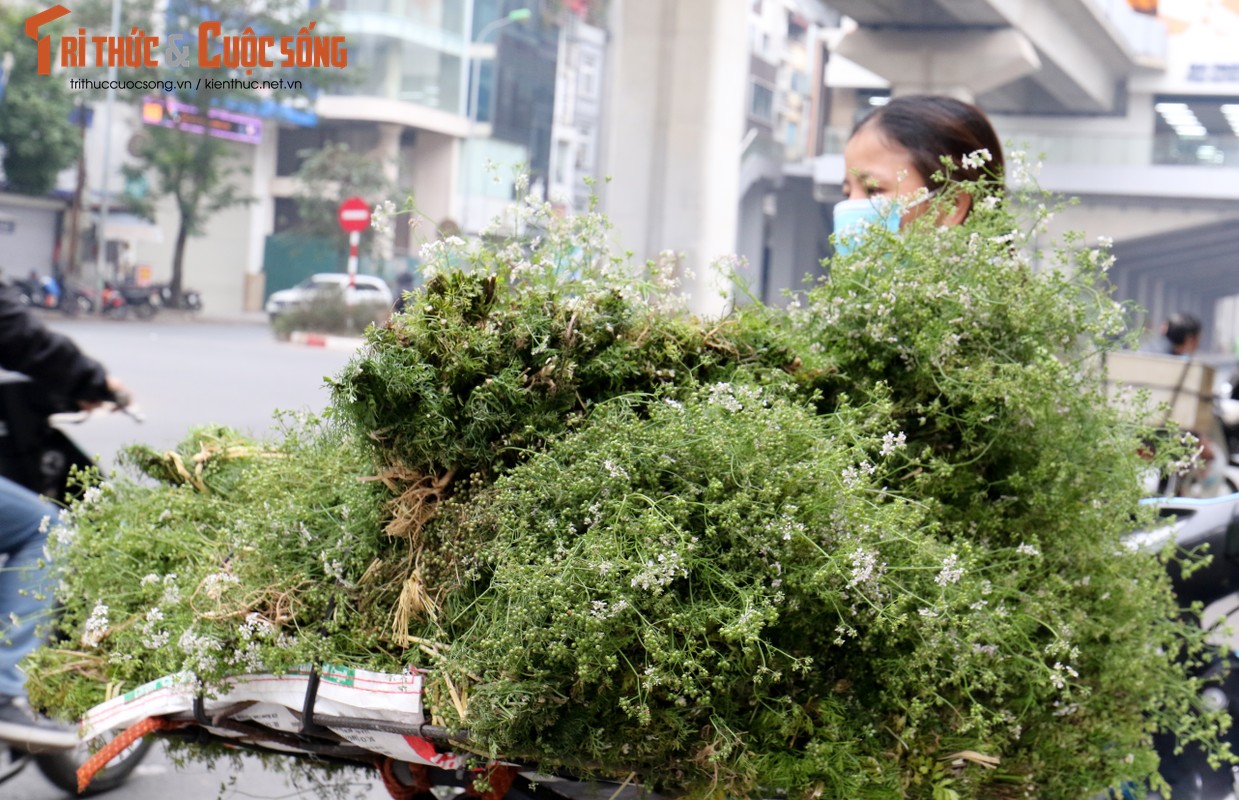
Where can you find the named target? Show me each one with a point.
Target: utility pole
(75, 211)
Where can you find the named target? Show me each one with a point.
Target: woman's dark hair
(932, 126)
(1181, 327)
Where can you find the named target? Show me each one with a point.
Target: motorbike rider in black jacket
(54, 361)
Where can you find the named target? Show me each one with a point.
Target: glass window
(761, 102)
(485, 73)
(587, 76)
(484, 13)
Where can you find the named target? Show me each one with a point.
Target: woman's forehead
(871, 148)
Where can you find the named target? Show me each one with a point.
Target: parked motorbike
(53, 294)
(1195, 523)
(37, 454)
(118, 302)
(190, 300)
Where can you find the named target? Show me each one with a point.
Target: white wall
(32, 240)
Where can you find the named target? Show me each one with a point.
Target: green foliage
(870, 546)
(326, 177)
(199, 172)
(38, 138)
(326, 312)
(240, 557)
(489, 361)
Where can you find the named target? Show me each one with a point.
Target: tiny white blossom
(431, 250)
(615, 470)
(977, 159)
(1027, 550)
(865, 567)
(893, 441)
(951, 571)
(380, 218)
(96, 625)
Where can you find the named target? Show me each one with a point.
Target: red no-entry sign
(354, 215)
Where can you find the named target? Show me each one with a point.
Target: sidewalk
(345, 344)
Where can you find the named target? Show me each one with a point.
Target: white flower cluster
(96, 625)
(732, 397)
(977, 158)
(866, 568)
(787, 527)
(200, 650)
(1061, 674)
(381, 216)
(615, 470)
(440, 249)
(1020, 170)
(660, 571)
(892, 441)
(332, 567)
(601, 609)
(171, 590)
(951, 571)
(153, 634)
(852, 474)
(255, 630)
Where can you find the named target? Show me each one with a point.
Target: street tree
(178, 159)
(38, 138)
(330, 174)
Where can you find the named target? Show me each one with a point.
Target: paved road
(184, 374)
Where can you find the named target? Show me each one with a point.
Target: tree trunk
(178, 261)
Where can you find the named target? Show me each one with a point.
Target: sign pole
(354, 216)
(354, 239)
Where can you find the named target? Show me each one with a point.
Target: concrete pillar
(796, 235)
(388, 153)
(435, 180)
(960, 63)
(261, 217)
(751, 237)
(675, 119)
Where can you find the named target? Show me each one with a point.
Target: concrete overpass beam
(961, 63)
(1084, 58)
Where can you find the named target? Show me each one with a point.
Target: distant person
(51, 291)
(1182, 334)
(52, 360)
(405, 282)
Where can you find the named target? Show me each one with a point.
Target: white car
(367, 291)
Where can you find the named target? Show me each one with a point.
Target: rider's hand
(120, 395)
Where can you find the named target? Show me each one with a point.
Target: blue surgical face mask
(854, 217)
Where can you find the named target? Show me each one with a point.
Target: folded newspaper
(376, 711)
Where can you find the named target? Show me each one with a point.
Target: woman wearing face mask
(893, 154)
